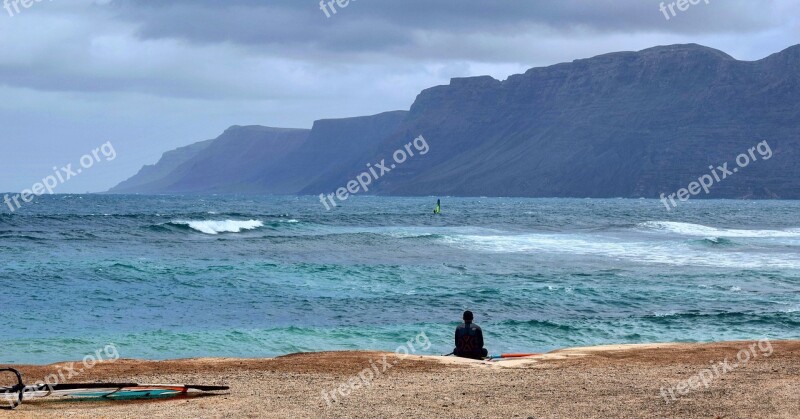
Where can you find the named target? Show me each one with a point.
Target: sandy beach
(606, 381)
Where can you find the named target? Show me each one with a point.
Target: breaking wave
(217, 227)
(688, 229)
(633, 250)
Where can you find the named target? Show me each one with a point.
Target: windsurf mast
(15, 395)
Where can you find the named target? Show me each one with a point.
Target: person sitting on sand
(469, 339)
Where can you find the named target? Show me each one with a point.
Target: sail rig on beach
(12, 397)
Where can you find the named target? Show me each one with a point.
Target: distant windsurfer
(438, 209)
(469, 339)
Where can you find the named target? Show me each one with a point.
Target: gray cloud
(374, 25)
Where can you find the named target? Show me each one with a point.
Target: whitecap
(620, 249)
(670, 313)
(688, 229)
(216, 227)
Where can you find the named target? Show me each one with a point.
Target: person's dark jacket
(469, 341)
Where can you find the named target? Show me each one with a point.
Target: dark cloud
(381, 26)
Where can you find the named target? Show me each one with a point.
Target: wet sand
(607, 381)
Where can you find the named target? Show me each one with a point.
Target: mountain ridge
(622, 124)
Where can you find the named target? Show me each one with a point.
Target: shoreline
(656, 379)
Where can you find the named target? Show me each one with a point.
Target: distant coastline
(625, 124)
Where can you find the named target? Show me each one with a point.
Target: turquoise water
(168, 277)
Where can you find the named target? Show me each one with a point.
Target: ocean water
(169, 276)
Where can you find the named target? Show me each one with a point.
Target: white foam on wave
(216, 227)
(688, 229)
(620, 248)
(670, 313)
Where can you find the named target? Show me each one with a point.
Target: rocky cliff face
(231, 163)
(629, 124)
(151, 176)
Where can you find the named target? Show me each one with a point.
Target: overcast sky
(151, 75)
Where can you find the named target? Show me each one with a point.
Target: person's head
(468, 316)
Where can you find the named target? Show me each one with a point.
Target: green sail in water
(438, 209)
